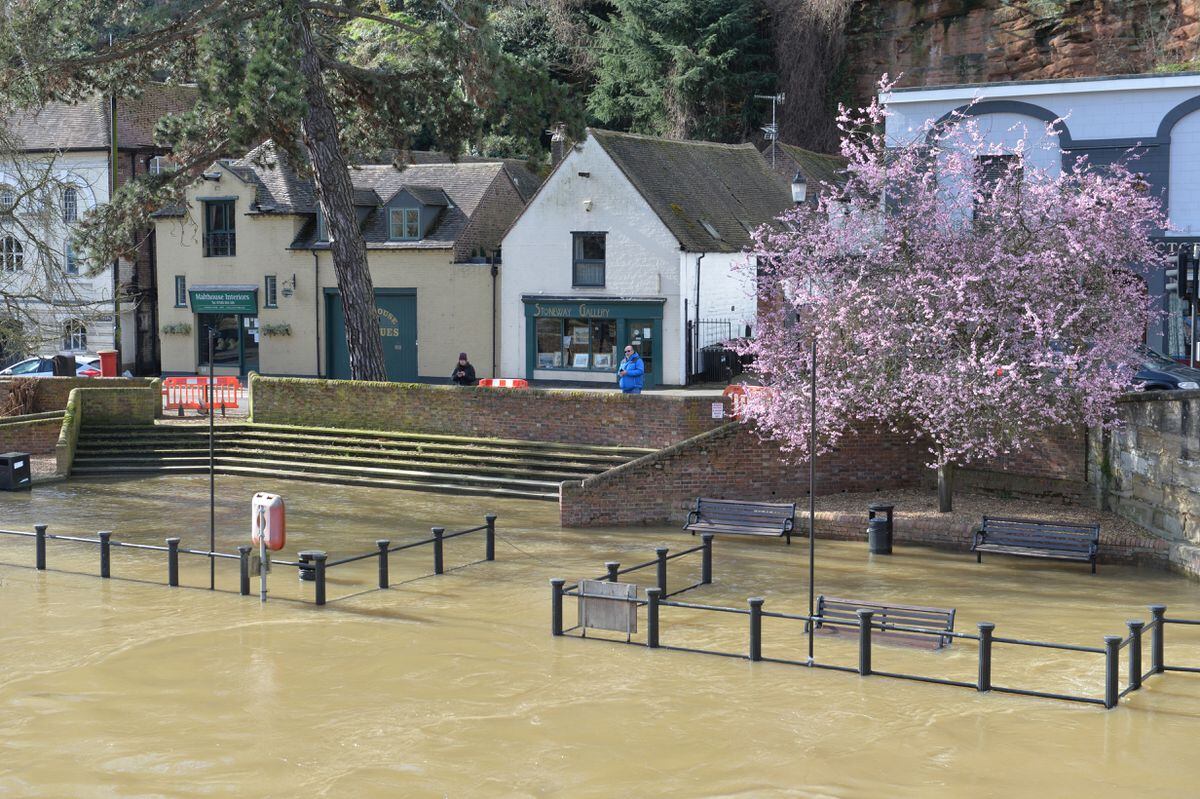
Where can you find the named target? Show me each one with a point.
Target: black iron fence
(312, 564)
(709, 359)
(986, 640)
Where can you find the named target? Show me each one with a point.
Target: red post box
(108, 363)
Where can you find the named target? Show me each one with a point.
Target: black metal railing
(220, 244)
(314, 561)
(985, 638)
(613, 570)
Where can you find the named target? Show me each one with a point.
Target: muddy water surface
(452, 685)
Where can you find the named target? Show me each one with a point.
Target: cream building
(247, 256)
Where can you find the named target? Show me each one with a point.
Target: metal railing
(613, 570)
(985, 638)
(220, 244)
(315, 561)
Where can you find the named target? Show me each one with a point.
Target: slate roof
(525, 179)
(689, 183)
(818, 168)
(84, 125)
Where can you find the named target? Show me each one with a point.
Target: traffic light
(1187, 274)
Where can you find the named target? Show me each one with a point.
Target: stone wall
(1052, 468)
(575, 417)
(732, 463)
(52, 392)
(36, 434)
(120, 406)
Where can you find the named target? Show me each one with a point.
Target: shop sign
(572, 311)
(244, 301)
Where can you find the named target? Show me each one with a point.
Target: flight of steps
(495, 467)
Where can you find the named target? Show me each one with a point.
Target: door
(397, 311)
(642, 338)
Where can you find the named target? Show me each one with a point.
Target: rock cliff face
(932, 42)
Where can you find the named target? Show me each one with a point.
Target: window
(70, 204)
(160, 164)
(270, 298)
(180, 291)
(74, 335)
(70, 260)
(576, 344)
(588, 264)
(8, 199)
(12, 254)
(990, 172)
(322, 226)
(219, 236)
(405, 224)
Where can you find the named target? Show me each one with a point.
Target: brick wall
(52, 392)
(35, 436)
(732, 463)
(576, 417)
(1054, 467)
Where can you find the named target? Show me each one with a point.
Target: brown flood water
(453, 686)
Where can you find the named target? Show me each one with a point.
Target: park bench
(1037, 539)
(733, 517)
(835, 613)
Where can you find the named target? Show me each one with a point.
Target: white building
(634, 239)
(1102, 118)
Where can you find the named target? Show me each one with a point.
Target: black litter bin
(14, 471)
(879, 528)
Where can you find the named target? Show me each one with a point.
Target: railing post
(319, 559)
(864, 641)
(653, 595)
(756, 603)
(1112, 669)
(438, 566)
(1158, 614)
(986, 628)
(39, 531)
(1135, 653)
(661, 552)
(173, 562)
(105, 560)
(383, 545)
(706, 558)
(490, 547)
(613, 567)
(556, 596)
(244, 569)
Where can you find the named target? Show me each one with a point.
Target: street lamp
(799, 188)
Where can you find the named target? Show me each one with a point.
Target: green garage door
(397, 309)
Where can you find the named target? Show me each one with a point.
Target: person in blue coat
(629, 374)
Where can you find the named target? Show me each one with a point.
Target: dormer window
(322, 226)
(405, 224)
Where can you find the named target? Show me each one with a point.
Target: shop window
(576, 344)
(235, 343)
(70, 204)
(12, 254)
(990, 170)
(220, 238)
(270, 292)
(180, 291)
(74, 336)
(588, 262)
(405, 224)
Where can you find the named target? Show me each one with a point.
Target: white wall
(727, 290)
(1184, 193)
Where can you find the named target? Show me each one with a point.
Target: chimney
(558, 144)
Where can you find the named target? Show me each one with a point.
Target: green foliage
(682, 68)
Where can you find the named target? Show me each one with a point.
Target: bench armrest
(692, 517)
(979, 537)
(788, 524)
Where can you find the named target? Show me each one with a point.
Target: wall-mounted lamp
(289, 287)
(212, 175)
(587, 205)
(799, 188)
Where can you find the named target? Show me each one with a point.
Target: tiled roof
(525, 179)
(694, 185)
(84, 125)
(818, 168)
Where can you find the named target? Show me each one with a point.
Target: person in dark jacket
(629, 374)
(464, 372)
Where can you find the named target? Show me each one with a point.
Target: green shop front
(231, 314)
(583, 339)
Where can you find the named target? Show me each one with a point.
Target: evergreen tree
(681, 68)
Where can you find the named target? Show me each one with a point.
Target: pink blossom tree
(955, 291)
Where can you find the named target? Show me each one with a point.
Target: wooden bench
(1030, 538)
(835, 613)
(730, 516)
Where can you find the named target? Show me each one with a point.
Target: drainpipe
(112, 189)
(317, 304)
(495, 272)
(696, 330)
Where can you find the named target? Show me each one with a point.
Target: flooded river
(453, 685)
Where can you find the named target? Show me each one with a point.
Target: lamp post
(799, 188)
(212, 482)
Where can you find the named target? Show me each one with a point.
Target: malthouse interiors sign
(224, 300)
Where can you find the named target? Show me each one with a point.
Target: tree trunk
(335, 193)
(946, 488)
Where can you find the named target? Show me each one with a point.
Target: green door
(397, 309)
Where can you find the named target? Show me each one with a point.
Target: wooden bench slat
(738, 517)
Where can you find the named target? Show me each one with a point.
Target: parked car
(1160, 373)
(43, 366)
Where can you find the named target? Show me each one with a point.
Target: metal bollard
(1112, 669)
(661, 552)
(1135, 653)
(383, 545)
(319, 559)
(39, 531)
(438, 565)
(489, 551)
(1158, 614)
(653, 595)
(244, 569)
(706, 558)
(613, 567)
(986, 628)
(556, 596)
(173, 562)
(864, 641)
(104, 536)
(756, 603)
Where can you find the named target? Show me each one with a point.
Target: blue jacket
(634, 368)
